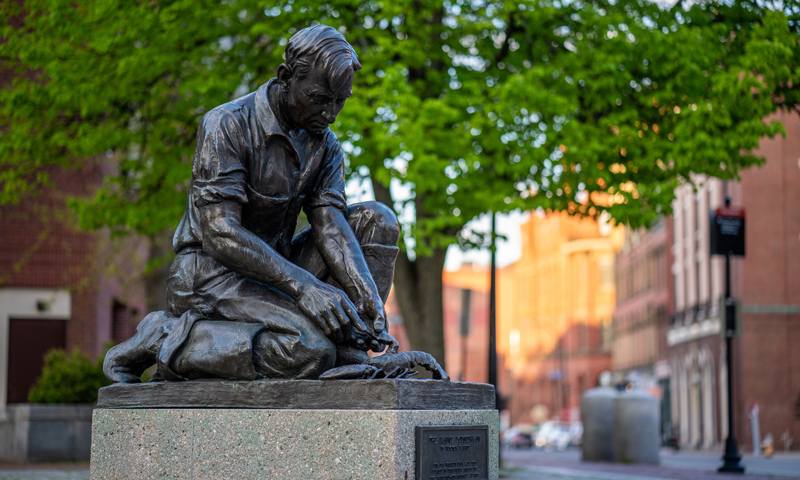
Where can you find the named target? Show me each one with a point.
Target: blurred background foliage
(69, 378)
(462, 106)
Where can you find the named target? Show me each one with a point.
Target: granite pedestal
(303, 430)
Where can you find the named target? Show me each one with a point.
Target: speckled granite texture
(268, 443)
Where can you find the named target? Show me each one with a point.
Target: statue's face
(314, 103)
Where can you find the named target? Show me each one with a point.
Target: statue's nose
(328, 115)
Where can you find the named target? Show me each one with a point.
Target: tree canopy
(585, 106)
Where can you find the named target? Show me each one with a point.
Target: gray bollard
(636, 423)
(597, 415)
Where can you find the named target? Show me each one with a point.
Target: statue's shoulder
(234, 111)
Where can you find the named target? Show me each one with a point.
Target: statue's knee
(303, 356)
(312, 354)
(374, 222)
(318, 348)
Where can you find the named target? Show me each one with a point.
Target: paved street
(538, 464)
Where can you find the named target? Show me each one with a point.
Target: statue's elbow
(218, 237)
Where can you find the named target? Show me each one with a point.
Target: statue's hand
(331, 310)
(384, 339)
(375, 338)
(372, 308)
(369, 341)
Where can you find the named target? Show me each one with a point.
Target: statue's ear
(284, 77)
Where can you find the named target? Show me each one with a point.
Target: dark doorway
(29, 340)
(666, 413)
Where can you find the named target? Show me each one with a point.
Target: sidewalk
(44, 471)
(530, 465)
(44, 475)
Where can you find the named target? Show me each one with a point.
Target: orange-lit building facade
(554, 316)
(645, 303)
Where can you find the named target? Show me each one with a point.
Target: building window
(122, 326)
(607, 271)
(797, 408)
(466, 306)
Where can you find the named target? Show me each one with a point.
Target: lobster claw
(398, 365)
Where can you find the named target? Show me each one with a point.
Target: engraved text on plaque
(452, 452)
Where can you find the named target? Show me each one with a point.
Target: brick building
(466, 322)
(56, 287)
(61, 287)
(642, 314)
(766, 284)
(554, 310)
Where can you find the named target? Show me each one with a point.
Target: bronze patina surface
(250, 299)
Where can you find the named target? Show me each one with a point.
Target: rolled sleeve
(227, 187)
(329, 187)
(218, 173)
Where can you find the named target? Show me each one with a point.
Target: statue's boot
(126, 362)
(380, 262)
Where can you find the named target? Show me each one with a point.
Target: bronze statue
(249, 299)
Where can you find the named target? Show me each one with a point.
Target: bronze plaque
(452, 452)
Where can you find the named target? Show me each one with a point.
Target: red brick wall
(42, 248)
(769, 349)
(643, 302)
(769, 366)
(477, 343)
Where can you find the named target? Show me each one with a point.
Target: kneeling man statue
(248, 298)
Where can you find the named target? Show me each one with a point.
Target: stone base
(291, 444)
(45, 433)
(292, 430)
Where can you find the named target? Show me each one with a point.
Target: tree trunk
(418, 286)
(418, 289)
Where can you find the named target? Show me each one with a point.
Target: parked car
(520, 436)
(553, 435)
(575, 433)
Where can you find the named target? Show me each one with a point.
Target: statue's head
(317, 77)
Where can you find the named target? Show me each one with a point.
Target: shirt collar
(268, 119)
(266, 116)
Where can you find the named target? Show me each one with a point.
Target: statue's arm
(235, 247)
(242, 251)
(341, 252)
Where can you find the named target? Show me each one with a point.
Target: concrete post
(597, 415)
(755, 430)
(636, 428)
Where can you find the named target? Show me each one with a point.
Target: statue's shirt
(242, 154)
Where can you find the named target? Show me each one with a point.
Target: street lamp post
(727, 238)
(731, 457)
(493, 315)
(493, 328)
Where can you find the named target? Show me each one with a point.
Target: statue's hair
(324, 47)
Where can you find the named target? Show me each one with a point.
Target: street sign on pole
(727, 231)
